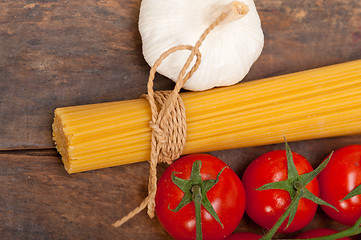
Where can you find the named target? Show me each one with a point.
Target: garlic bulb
(227, 54)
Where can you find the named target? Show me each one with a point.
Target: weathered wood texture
(39, 200)
(60, 53)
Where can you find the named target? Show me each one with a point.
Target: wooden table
(62, 53)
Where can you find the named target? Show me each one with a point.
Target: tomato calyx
(356, 191)
(295, 185)
(195, 190)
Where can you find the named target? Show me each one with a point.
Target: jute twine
(169, 123)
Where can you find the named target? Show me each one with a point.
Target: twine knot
(169, 129)
(158, 133)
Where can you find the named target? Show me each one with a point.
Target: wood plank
(61, 53)
(39, 200)
(64, 53)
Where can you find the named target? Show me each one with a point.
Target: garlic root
(235, 11)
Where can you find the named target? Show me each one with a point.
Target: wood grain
(61, 53)
(56, 53)
(39, 200)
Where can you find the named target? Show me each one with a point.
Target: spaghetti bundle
(317, 103)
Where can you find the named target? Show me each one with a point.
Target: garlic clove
(227, 54)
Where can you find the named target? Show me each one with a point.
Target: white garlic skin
(228, 52)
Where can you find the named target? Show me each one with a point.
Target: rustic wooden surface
(61, 53)
(39, 200)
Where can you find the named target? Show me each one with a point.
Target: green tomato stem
(197, 199)
(273, 230)
(352, 231)
(298, 185)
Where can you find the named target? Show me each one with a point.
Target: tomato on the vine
(341, 175)
(319, 232)
(266, 207)
(223, 200)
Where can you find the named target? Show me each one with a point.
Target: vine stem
(351, 231)
(197, 199)
(275, 227)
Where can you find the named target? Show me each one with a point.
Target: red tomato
(320, 232)
(341, 175)
(244, 236)
(266, 207)
(227, 198)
